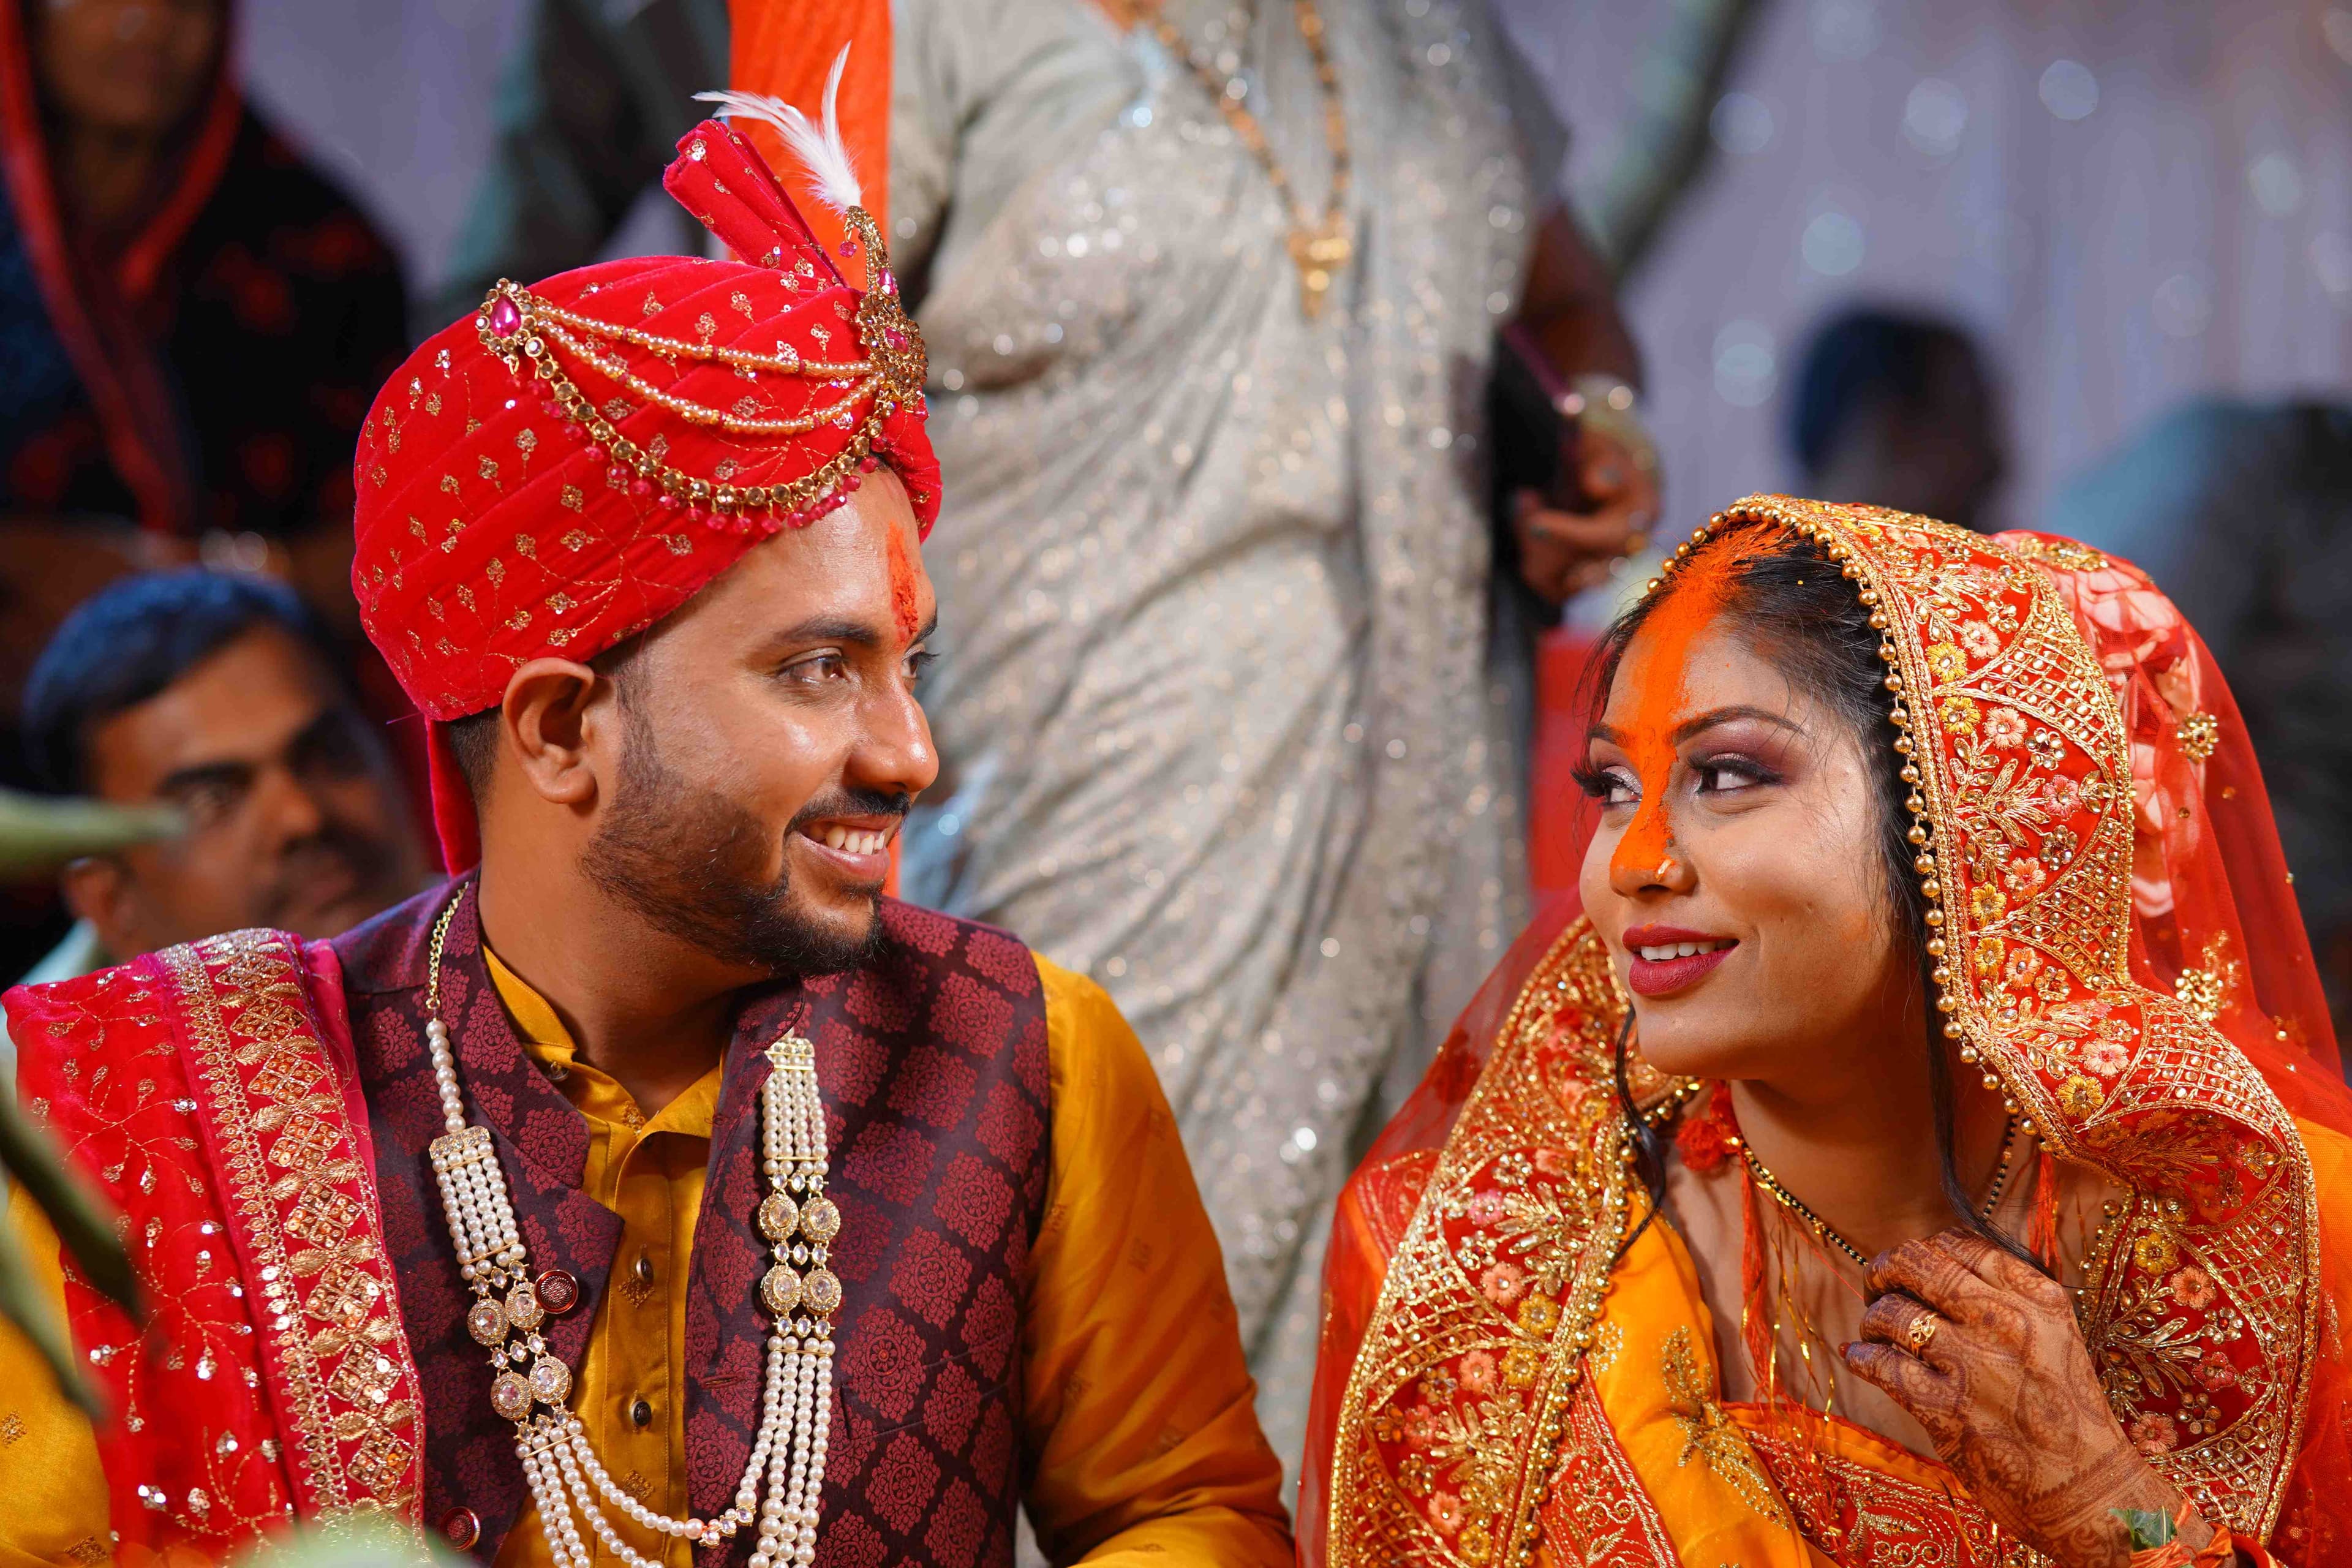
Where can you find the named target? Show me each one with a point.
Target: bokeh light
(2069, 91)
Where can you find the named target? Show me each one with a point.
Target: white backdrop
(2190, 229)
(393, 97)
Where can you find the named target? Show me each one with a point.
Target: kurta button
(642, 1413)
(645, 1269)
(559, 1292)
(460, 1529)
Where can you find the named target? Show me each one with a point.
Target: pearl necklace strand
(532, 1382)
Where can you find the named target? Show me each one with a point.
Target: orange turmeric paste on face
(906, 609)
(1656, 682)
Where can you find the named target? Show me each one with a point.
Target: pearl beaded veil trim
(530, 1383)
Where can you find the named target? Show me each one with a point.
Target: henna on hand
(2006, 1390)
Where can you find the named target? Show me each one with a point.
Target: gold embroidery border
(1511, 1108)
(327, 1429)
(1616, 1524)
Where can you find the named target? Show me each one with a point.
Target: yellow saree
(1507, 1380)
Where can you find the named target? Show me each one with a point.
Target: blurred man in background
(216, 694)
(2242, 512)
(192, 322)
(1896, 409)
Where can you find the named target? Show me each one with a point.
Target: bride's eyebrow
(1707, 721)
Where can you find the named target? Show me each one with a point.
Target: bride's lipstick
(1667, 959)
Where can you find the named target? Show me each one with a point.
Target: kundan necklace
(1318, 247)
(531, 1382)
(1821, 1227)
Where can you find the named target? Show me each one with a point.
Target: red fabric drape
(1561, 816)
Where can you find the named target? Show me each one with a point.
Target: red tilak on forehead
(904, 608)
(1659, 687)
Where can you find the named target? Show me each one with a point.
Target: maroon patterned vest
(933, 1064)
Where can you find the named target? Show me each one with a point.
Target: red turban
(582, 457)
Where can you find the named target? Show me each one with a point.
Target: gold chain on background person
(1317, 249)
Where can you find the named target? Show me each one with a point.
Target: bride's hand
(2005, 1387)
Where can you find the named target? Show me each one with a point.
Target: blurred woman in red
(192, 318)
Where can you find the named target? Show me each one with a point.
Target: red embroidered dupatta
(211, 1090)
(2122, 950)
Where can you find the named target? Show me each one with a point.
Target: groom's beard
(695, 864)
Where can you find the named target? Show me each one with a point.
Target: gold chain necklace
(1821, 1227)
(526, 331)
(1318, 247)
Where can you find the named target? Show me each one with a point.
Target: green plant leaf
(38, 832)
(85, 1231)
(2147, 1527)
(22, 1304)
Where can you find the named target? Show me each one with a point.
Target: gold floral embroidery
(1604, 1519)
(293, 1183)
(2063, 553)
(2200, 734)
(2206, 990)
(1707, 1433)
(1475, 1349)
(1896, 1522)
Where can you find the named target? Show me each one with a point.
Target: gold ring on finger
(1922, 1332)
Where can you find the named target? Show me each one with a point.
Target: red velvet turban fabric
(493, 527)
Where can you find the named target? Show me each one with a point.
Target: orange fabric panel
(785, 49)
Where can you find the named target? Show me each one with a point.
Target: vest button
(642, 1413)
(559, 1292)
(460, 1529)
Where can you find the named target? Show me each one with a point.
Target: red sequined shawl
(212, 1091)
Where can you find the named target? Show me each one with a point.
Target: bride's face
(1737, 875)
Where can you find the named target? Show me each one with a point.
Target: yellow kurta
(1139, 1426)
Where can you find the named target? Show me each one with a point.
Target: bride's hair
(1803, 616)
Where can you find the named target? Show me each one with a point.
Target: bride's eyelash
(1597, 782)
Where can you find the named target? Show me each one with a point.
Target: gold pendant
(1318, 254)
(780, 1290)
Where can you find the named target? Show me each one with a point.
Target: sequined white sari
(1215, 698)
